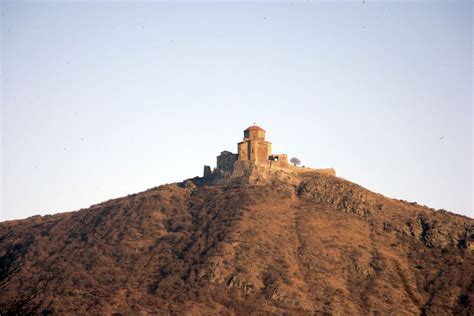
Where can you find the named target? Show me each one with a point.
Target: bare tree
(295, 161)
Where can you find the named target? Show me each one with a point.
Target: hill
(310, 244)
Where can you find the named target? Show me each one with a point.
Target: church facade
(254, 149)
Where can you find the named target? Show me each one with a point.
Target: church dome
(254, 128)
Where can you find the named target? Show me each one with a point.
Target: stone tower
(254, 147)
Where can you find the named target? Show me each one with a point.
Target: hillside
(316, 244)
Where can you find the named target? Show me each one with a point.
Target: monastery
(254, 152)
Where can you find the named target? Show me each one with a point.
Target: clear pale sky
(101, 100)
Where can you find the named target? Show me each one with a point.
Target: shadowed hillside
(316, 244)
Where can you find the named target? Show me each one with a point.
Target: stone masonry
(253, 160)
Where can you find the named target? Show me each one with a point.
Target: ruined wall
(280, 161)
(207, 171)
(225, 161)
(329, 171)
(283, 158)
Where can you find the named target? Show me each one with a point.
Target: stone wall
(255, 150)
(280, 160)
(254, 134)
(225, 161)
(243, 150)
(207, 171)
(329, 171)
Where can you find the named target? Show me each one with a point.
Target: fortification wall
(329, 171)
(254, 172)
(225, 161)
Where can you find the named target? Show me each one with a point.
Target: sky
(104, 99)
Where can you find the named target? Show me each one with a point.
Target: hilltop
(253, 235)
(323, 245)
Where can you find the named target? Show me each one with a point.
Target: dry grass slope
(322, 246)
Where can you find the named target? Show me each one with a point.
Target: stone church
(253, 162)
(253, 149)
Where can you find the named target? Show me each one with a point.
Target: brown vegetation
(322, 246)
